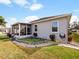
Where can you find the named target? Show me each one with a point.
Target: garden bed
(32, 41)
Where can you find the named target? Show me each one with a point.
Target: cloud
(30, 18)
(74, 18)
(24, 3)
(11, 21)
(77, 10)
(36, 6)
(6, 2)
(21, 2)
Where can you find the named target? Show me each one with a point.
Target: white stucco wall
(44, 29)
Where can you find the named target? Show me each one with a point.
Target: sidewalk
(70, 46)
(75, 44)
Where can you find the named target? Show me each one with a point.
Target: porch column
(19, 29)
(26, 29)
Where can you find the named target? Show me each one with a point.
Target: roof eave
(59, 16)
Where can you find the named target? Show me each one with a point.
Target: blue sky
(27, 10)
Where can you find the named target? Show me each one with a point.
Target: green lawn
(31, 39)
(56, 52)
(8, 50)
(75, 37)
(3, 36)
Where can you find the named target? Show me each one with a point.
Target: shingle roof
(53, 17)
(45, 18)
(20, 23)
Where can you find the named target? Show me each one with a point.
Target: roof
(20, 23)
(51, 18)
(45, 19)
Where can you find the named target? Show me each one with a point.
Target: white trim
(19, 29)
(22, 36)
(57, 26)
(26, 29)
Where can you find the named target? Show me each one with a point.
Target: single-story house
(8, 30)
(2, 28)
(44, 27)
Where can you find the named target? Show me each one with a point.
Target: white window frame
(57, 26)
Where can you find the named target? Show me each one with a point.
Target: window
(28, 30)
(35, 27)
(55, 26)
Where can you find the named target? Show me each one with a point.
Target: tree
(75, 25)
(2, 21)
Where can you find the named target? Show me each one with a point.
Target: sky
(27, 10)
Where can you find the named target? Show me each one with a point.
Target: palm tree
(2, 21)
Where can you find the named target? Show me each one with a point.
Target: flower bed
(32, 41)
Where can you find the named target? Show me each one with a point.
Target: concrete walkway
(33, 46)
(70, 46)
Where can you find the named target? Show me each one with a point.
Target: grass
(3, 36)
(8, 50)
(56, 52)
(31, 39)
(75, 37)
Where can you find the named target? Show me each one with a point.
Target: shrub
(52, 37)
(9, 35)
(35, 34)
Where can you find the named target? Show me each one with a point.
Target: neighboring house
(8, 30)
(5, 29)
(44, 27)
(77, 32)
(2, 28)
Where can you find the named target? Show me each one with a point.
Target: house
(2, 28)
(44, 27)
(8, 30)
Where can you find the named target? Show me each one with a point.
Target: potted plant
(69, 38)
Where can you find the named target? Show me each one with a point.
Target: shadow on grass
(28, 50)
(4, 39)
